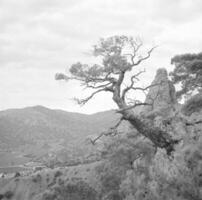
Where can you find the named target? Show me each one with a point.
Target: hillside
(38, 134)
(24, 126)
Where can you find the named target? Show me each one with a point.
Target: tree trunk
(159, 137)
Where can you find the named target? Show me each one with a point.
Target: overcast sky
(41, 37)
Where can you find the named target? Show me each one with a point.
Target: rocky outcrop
(164, 111)
(183, 123)
(161, 95)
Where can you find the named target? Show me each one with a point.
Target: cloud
(44, 37)
(177, 11)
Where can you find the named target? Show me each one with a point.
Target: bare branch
(135, 76)
(135, 45)
(98, 86)
(148, 87)
(138, 103)
(85, 100)
(133, 106)
(111, 131)
(136, 48)
(143, 58)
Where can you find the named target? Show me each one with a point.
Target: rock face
(163, 112)
(167, 114)
(162, 94)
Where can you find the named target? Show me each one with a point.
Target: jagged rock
(164, 112)
(170, 116)
(161, 95)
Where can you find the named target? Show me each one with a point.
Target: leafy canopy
(188, 73)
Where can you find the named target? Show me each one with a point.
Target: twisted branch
(111, 131)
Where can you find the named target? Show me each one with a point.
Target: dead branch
(111, 131)
(133, 106)
(143, 58)
(98, 86)
(132, 82)
(85, 100)
(136, 48)
(148, 87)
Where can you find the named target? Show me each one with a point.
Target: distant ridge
(25, 125)
(40, 108)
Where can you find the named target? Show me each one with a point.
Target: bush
(187, 184)
(154, 176)
(113, 195)
(58, 173)
(49, 195)
(17, 174)
(77, 191)
(37, 178)
(8, 194)
(120, 155)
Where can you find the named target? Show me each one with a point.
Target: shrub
(49, 195)
(186, 185)
(120, 155)
(17, 174)
(47, 179)
(9, 194)
(58, 173)
(113, 195)
(37, 178)
(77, 191)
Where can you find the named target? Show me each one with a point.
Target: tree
(120, 56)
(188, 73)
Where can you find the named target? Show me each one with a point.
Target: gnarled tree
(120, 56)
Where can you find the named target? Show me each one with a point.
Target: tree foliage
(187, 72)
(192, 105)
(119, 55)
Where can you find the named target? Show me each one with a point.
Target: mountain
(27, 125)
